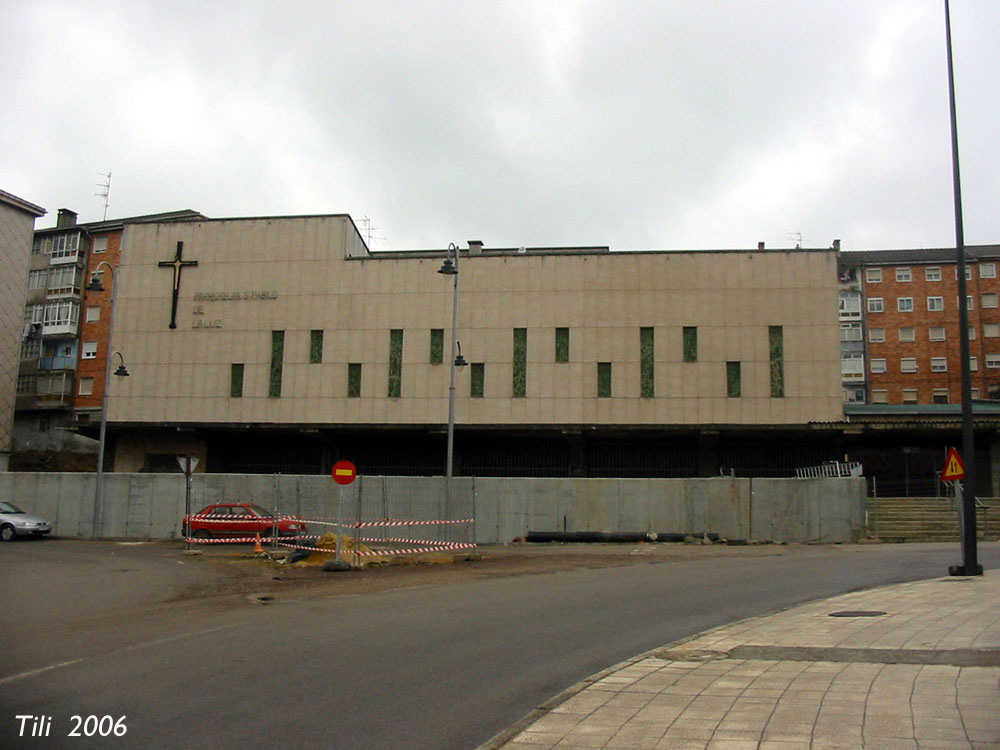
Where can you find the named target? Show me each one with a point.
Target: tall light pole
(96, 286)
(450, 268)
(970, 565)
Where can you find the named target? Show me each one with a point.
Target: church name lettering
(225, 296)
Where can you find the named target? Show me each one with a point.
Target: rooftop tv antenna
(371, 233)
(106, 191)
(797, 236)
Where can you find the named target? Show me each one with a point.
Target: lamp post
(970, 565)
(450, 268)
(96, 286)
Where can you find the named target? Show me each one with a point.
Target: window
(878, 365)
(38, 279)
(690, 334)
(86, 387)
(850, 332)
(876, 335)
(733, 385)
(909, 395)
(972, 333)
(905, 304)
(968, 272)
(100, 245)
(395, 363)
(992, 361)
(880, 396)
(315, 347)
(873, 275)
(93, 314)
(990, 300)
(935, 304)
(647, 355)
(852, 366)
(970, 302)
(62, 313)
(991, 330)
(354, 380)
(604, 380)
(932, 273)
(939, 364)
(907, 334)
(236, 380)
(973, 364)
(904, 274)
(477, 381)
(277, 358)
(64, 280)
(562, 345)
(89, 350)
(776, 345)
(875, 304)
(31, 347)
(65, 245)
(935, 333)
(975, 393)
(519, 384)
(987, 270)
(908, 364)
(436, 356)
(36, 245)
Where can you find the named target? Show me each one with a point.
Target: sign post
(188, 465)
(343, 473)
(954, 472)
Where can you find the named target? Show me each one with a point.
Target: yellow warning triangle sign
(953, 467)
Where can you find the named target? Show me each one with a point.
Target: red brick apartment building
(909, 307)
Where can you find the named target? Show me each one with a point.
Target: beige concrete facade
(17, 222)
(303, 274)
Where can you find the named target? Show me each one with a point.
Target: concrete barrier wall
(151, 506)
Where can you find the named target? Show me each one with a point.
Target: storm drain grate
(857, 613)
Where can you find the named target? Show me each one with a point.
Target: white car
(15, 522)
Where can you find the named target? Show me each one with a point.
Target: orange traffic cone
(258, 547)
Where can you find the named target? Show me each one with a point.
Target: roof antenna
(107, 191)
(369, 232)
(797, 236)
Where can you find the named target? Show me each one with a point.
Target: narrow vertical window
(733, 379)
(604, 380)
(562, 345)
(520, 379)
(354, 380)
(477, 381)
(277, 356)
(437, 346)
(777, 348)
(236, 381)
(395, 362)
(646, 358)
(315, 347)
(690, 344)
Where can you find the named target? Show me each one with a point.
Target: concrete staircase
(927, 519)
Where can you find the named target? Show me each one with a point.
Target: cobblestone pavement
(908, 666)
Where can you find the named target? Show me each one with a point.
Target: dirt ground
(243, 572)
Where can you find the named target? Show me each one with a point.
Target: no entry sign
(344, 472)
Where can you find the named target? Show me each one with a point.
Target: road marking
(33, 672)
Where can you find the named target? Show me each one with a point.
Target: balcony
(51, 389)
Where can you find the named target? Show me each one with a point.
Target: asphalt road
(141, 632)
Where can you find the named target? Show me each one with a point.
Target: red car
(240, 519)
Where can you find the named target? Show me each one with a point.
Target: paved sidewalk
(914, 665)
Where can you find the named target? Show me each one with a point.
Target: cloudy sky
(640, 125)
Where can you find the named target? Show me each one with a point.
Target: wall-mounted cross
(177, 264)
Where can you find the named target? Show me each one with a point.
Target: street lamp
(970, 564)
(95, 285)
(450, 268)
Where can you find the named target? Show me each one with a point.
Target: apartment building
(909, 322)
(17, 219)
(63, 341)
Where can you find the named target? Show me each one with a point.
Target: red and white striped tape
(397, 522)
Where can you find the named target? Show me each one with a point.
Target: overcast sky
(640, 125)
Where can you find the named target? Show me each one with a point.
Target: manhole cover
(690, 655)
(857, 613)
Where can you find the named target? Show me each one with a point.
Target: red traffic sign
(953, 467)
(344, 472)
